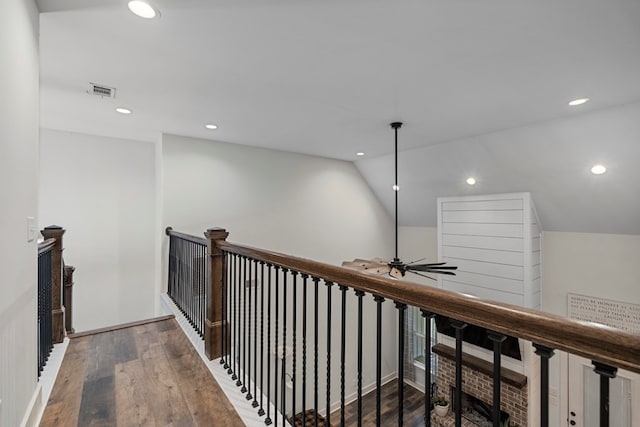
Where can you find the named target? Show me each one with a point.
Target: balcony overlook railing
(267, 320)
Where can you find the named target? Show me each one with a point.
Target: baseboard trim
(121, 326)
(30, 418)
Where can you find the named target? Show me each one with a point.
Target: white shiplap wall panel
(480, 292)
(484, 217)
(486, 242)
(495, 242)
(484, 255)
(486, 268)
(482, 204)
(493, 230)
(490, 282)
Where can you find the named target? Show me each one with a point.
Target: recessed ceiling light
(142, 9)
(598, 169)
(396, 187)
(360, 153)
(471, 181)
(122, 110)
(579, 101)
(212, 127)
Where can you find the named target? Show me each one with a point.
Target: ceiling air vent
(101, 90)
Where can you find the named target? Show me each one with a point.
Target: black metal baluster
(243, 283)
(379, 300)
(276, 358)
(236, 318)
(545, 354)
(343, 344)
(293, 355)
(304, 347)
(229, 362)
(606, 373)
(459, 327)
(203, 284)
(190, 282)
(402, 311)
(224, 308)
(315, 354)
(427, 315)
(328, 390)
(359, 294)
(255, 335)
(261, 410)
(247, 283)
(267, 420)
(283, 404)
(238, 323)
(497, 339)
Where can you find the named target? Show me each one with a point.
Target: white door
(584, 396)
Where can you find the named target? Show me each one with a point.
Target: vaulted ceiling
(482, 87)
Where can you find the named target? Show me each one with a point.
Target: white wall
(599, 265)
(306, 206)
(18, 198)
(103, 191)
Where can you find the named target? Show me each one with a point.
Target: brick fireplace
(477, 382)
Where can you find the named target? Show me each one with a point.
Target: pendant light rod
(396, 187)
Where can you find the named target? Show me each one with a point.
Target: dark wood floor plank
(98, 406)
(133, 409)
(63, 407)
(164, 395)
(413, 408)
(145, 375)
(194, 381)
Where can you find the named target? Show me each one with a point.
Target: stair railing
(52, 315)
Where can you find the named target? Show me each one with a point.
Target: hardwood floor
(144, 375)
(413, 408)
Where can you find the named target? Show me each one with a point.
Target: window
(419, 336)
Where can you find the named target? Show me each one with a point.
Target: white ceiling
(326, 77)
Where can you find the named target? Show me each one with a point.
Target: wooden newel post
(217, 266)
(68, 298)
(57, 309)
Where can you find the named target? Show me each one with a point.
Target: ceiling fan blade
(436, 270)
(395, 273)
(431, 264)
(423, 275)
(379, 269)
(375, 266)
(430, 267)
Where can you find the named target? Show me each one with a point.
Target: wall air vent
(101, 90)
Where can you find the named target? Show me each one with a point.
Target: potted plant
(441, 405)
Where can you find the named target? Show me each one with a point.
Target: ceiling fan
(397, 268)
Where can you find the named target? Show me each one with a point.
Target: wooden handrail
(198, 240)
(46, 245)
(593, 341)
